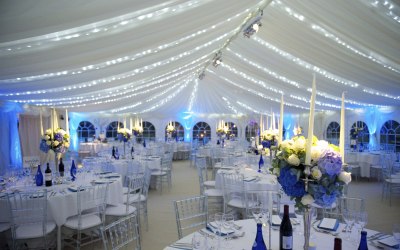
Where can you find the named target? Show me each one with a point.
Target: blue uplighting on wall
(10, 148)
(187, 124)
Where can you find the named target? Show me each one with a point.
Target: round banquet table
(94, 147)
(61, 201)
(321, 239)
(364, 160)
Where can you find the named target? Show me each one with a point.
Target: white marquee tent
(155, 59)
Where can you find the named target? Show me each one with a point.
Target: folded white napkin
(276, 220)
(329, 224)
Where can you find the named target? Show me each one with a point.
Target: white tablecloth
(263, 182)
(322, 240)
(94, 147)
(364, 160)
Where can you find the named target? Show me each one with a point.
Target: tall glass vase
(307, 216)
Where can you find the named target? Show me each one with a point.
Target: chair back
(120, 233)
(135, 187)
(146, 181)
(28, 208)
(233, 189)
(91, 201)
(191, 214)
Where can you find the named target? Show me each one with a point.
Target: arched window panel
(251, 130)
(178, 133)
(112, 129)
(201, 132)
(390, 136)
(86, 131)
(232, 130)
(149, 131)
(333, 133)
(359, 131)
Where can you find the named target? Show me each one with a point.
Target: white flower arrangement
(57, 140)
(170, 128)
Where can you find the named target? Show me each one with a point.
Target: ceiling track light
(254, 26)
(217, 60)
(202, 75)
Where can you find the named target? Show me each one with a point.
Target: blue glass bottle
(73, 171)
(363, 242)
(259, 243)
(39, 177)
(260, 163)
(144, 143)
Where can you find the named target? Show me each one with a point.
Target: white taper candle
(342, 126)
(280, 132)
(311, 123)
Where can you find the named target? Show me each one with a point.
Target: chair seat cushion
(34, 230)
(133, 198)
(213, 192)
(236, 202)
(158, 173)
(88, 221)
(209, 183)
(120, 210)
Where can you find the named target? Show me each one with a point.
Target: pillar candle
(66, 122)
(310, 124)
(280, 122)
(130, 123)
(41, 123)
(342, 125)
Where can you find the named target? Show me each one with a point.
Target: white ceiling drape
(145, 56)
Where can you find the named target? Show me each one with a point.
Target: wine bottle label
(287, 242)
(47, 177)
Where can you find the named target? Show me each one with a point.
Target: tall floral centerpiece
(269, 138)
(170, 130)
(321, 182)
(54, 140)
(222, 131)
(124, 135)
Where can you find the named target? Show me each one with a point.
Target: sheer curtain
(29, 131)
(10, 150)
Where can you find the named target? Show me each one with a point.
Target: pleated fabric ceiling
(157, 56)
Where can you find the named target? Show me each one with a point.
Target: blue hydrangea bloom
(290, 185)
(330, 163)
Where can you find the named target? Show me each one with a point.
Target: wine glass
(396, 232)
(362, 219)
(219, 220)
(348, 217)
(256, 211)
(198, 241)
(229, 220)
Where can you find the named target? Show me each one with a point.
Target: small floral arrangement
(57, 140)
(269, 138)
(355, 132)
(124, 134)
(170, 129)
(297, 131)
(222, 130)
(325, 175)
(137, 130)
